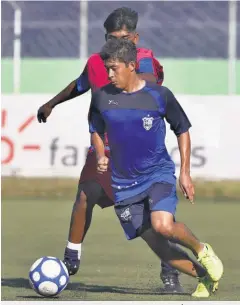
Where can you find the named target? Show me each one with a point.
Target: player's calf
(88, 194)
(163, 223)
(72, 252)
(78, 218)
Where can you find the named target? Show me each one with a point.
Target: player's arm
(97, 129)
(180, 125)
(77, 87)
(150, 69)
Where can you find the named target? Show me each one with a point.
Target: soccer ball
(48, 276)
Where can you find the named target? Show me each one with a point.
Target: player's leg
(179, 259)
(172, 254)
(163, 202)
(88, 195)
(81, 216)
(135, 221)
(169, 275)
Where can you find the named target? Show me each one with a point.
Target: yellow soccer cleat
(215, 286)
(211, 263)
(205, 288)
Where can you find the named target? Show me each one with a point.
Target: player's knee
(164, 228)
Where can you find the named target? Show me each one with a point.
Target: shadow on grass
(84, 288)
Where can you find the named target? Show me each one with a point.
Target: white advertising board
(58, 148)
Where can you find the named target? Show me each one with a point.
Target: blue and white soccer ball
(48, 276)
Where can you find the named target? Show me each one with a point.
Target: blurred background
(197, 41)
(44, 46)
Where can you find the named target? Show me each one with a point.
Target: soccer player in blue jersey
(132, 112)
(94, 188)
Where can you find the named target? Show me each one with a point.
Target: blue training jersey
(135, 124)
(95, 75)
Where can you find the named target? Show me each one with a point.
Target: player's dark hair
(119, 49)
(120, 18)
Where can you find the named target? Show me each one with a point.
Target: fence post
(16, 46)
(83, 29)
(17, 51)
(232, 47)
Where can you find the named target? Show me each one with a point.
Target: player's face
(119, 73)
(132, 36)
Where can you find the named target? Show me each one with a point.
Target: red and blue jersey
(95, 75)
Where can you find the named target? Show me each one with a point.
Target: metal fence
(73, 29)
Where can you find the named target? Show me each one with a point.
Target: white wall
(215, 136)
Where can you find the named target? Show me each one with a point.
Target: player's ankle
(75, 247)
(201, 249)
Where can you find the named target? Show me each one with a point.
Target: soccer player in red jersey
(95, 188)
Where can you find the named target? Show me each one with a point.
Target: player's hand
(187, 187)
(102, 164)
(43, 113)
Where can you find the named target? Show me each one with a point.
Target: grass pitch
(112, 268)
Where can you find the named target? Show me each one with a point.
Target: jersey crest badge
(147, 122)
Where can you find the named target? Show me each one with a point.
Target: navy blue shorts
(135, 213)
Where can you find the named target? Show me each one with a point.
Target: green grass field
(112, 268)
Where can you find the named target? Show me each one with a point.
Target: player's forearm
(98, 144)
(184, 144)
(66, 94)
